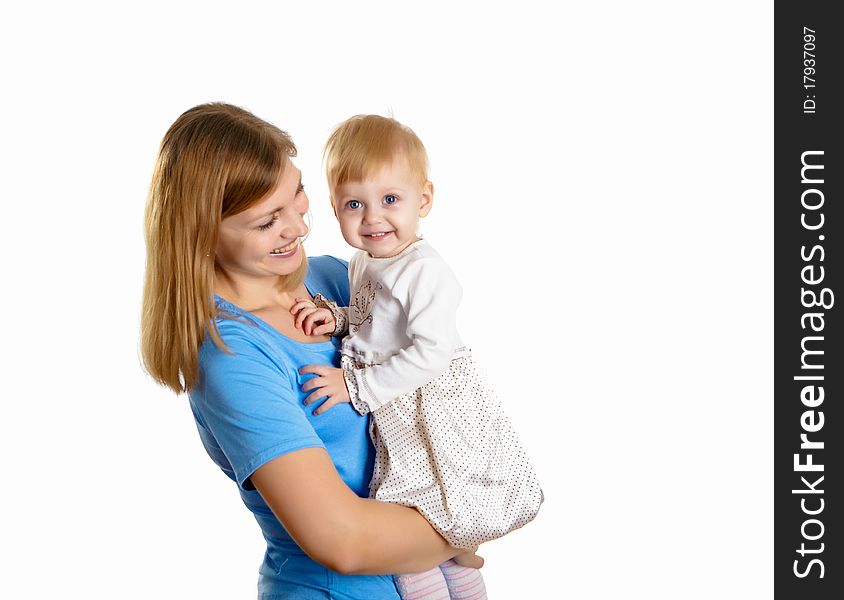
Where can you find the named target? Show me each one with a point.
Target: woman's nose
(295, 219)
(295, 227)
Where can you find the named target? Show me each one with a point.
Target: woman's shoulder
(249, 350)
(240, 331)
(329, 276)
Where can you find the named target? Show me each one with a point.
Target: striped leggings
(449, 581)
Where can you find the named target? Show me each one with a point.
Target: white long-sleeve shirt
(442, 442)
(402, 321)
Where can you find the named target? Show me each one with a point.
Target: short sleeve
(329, 276)
(248, 402)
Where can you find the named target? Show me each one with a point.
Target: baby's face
(380, 215)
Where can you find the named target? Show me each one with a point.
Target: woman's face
(265, 240)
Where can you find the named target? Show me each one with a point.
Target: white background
(603, 178)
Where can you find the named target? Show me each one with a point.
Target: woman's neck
(253, 294)
(266, 299)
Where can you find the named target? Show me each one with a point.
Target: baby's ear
(426, 199)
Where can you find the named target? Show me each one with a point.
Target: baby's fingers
(320, 315)
(314, 383)
(332, 401)
(320, 370)
(301, 303)
(325, 329)
(302, 315)
(314, 396)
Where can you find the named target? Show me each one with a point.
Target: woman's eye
(354, 204)
(268, 224)
(301, 188)
(390, 199)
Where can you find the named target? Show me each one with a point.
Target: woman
(224, 226)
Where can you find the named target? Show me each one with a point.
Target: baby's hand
(329, 382)
(312, 320)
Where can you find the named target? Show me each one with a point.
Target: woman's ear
(426, 199)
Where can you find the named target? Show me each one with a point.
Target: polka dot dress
(448, 450)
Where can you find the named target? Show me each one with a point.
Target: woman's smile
(286, 251)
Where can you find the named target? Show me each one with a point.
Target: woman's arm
(338, 529)
(254, 412)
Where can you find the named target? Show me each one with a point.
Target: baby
(442, 443)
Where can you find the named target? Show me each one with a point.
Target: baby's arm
(430, 295)
(321, 316)
(317, 318)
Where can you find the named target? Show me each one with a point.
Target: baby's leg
(429, 585)
(463, 583)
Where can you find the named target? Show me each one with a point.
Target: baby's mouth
(377, 236)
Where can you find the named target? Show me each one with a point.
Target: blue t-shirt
(249, 410)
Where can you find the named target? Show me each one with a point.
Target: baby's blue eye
(354, 204)
(390, 199)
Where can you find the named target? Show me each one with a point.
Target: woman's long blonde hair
(215, 161)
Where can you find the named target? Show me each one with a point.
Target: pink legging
(449, 581)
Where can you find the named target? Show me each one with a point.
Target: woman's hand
(329, 382)
(469, 559)
(312, 320)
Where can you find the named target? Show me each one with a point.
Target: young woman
(225, 263)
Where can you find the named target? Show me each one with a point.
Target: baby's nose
(372, 214)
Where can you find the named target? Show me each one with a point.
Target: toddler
(442, 443)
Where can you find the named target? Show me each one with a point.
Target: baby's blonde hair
(361, 145)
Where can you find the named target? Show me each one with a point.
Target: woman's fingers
(470, 560)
